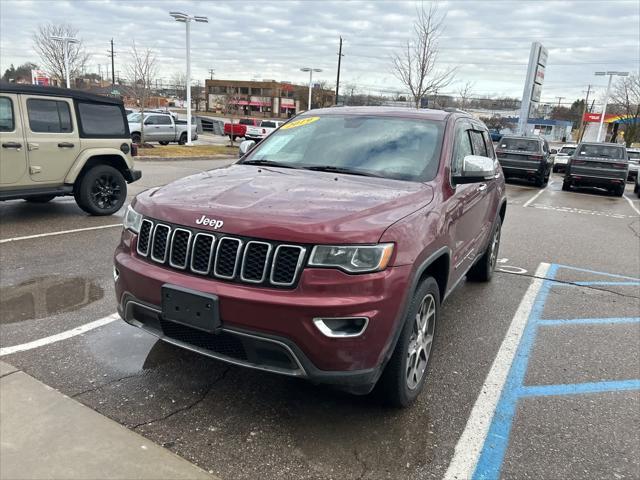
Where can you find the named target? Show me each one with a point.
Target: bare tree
(416, 65)
(52, 52)
(625, 100)
(179, 81)
(141, 70)
(465, 91)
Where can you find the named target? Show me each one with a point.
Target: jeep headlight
(352, 258)
(132, 220)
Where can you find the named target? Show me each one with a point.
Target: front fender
(85, 155)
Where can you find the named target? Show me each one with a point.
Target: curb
(149, 158)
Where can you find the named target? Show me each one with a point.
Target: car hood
(286, 205)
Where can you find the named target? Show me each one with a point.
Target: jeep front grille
(235, 259)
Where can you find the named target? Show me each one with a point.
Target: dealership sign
(39, 77)
(595, 117)
(538, 58)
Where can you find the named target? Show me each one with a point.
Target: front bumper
(278, 317)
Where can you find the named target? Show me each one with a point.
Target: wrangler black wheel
(101, 191)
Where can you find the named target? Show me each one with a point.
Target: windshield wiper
(347, 171)
(268, 163)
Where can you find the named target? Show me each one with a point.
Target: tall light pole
(187, 19)
(606, 96)
(310, 70)
(65, 53)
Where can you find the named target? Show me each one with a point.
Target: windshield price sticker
(299, 123)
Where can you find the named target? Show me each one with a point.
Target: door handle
(65, 145)
(15, 145)
(482, 187)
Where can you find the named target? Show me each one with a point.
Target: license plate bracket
(191, 308)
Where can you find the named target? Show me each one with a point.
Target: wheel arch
(86, 162)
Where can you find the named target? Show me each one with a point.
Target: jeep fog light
(132, 220)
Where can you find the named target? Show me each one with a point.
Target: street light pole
(65, 53)
(310, 70)
(187, 19)
(606, 97)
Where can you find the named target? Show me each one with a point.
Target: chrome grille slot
(144, 237)
(179, 250)
(287, 261)
(160, 242)
(255, 262)
(202, 253)
(227, 256)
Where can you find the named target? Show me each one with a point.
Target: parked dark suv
(525, 157)
(325, 252)
(603, 165)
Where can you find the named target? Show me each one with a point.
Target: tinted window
(6, 115)
(101, 120)
(521, 144)
(462, 148)
(268, 124)
(395, 148)
(601, 151)
(163, 120)
(151, 120)
(479, 148)
(49, 116)
(567, 150)
(246, 121)
(633, 155)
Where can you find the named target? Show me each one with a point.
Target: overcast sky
(488, 41)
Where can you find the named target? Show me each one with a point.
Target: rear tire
(483, 269)
(566, 186)
(40, 198)
(619, 191)
(163, 143)
(183, 139)
(101, 191)
(539, 181)
(404, 376)
(136, 138)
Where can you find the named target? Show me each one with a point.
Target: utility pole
(338, 79)
(113, 68)
(584, 111)
(211, 72)
(559, 100)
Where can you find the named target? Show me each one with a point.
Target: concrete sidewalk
(45, 434)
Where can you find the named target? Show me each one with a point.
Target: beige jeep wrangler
(58, 142)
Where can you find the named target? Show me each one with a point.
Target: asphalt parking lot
(559, 325)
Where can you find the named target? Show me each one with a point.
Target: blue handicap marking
(497, 440)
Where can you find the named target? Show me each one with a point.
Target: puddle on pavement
(45, 296)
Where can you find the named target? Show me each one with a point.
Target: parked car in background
(58, 141)
(265, 128)
(160, 127)
(562, 157)
(525, 157)
(603, 165)
(235, 130)
(495, 135)
(633, 154)
(333, 265)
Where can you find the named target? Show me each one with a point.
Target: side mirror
(245, 147)
(475, 169)
(553, 151)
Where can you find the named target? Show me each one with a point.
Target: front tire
(483, 269)
(40, 198)
(163, 143)
(101, 191)
(405, 374)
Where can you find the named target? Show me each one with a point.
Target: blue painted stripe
(598, 273)
(579, 388)
(586, 321)
(587, 284)
(495, 445)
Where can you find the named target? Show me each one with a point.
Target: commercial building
(266, 98)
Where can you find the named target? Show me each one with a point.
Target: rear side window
(7, 123)
(101, 120)
(479, 148)
(49, 116)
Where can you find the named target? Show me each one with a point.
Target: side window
(49, 116)
(101, 119)
(461, 148)
(489, 144)
(151, 120)
(479, 148)
(163, 120)
(7, 123)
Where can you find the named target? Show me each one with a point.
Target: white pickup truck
(261, 131)
(160, 127)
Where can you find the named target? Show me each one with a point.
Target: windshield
(601, 151)
(567, 150)
(389, 147)
(633, 155)
(521, 144)
(133, 118)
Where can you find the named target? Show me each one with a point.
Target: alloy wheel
(105, 192)
(421, 341)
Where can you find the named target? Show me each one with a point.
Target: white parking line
(471, 441)
(59, 336)
(632, 205)
(532, 199)
(62, 232)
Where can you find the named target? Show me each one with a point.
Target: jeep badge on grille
(204, 220)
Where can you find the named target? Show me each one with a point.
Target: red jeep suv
(325, 252)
